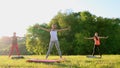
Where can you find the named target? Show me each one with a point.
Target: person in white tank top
(53, 35)
(53, 38)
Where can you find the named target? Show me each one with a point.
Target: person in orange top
(96, 39)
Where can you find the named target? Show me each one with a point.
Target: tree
(37, 40)
(83, 24)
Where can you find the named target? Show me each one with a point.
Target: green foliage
(37, 40)
(5, 46)
(83, 24)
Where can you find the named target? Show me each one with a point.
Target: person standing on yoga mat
(96, 39)
(53, 39)
(14, 42)
(14, 45)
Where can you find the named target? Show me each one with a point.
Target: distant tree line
(72, 42)
(5, 45)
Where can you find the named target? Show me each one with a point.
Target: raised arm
(63, 29)
(104, 37)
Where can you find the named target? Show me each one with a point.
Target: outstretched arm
(19, 37)
(89, 38)
(63, 29)
(42, 28)
(104, 37)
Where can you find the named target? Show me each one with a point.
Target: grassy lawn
(73, 61)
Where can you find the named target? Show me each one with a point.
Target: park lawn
(72, 61)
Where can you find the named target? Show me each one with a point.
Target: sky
(18, 15)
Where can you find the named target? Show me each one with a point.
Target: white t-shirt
(53, 35)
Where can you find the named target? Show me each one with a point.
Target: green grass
(75, 61)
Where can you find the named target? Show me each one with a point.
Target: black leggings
(96, 47)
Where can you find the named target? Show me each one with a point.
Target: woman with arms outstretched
(53, 39)
(96, 39)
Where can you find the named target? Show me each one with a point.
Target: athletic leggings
(96, 47)
(12, 49)
(51, 46)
